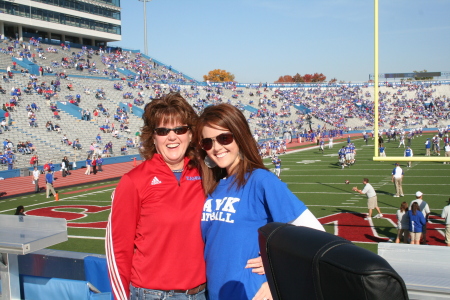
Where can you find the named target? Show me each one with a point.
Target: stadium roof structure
(83, 22)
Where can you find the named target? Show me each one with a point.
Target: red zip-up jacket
(153, 237)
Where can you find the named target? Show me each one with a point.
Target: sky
(261, 40)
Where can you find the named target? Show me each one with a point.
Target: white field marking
(389, 194)
(85, 237)
(307, 161)
(90, 201)
(352, 200)
(394, 209)
(328, 193)
(327, 175)
(338, 183)
(331, 155)
(347, 203)
(61, 199)
(335, 225)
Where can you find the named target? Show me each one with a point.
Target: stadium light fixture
(145, 25)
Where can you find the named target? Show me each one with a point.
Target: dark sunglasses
(223, 139)
(162, 131)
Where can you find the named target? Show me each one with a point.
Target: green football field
(313, 177)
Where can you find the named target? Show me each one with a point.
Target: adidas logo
(155, 181)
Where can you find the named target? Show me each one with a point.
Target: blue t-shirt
(49, 177)
(416, 222)
(408, 152)
(230, 221)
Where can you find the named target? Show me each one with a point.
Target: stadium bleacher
(270, 109)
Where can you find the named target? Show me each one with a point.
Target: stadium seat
(304, 263)
(37, 288)
(96, 272)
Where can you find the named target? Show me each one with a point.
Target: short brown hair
(169, 108)
(229, 117)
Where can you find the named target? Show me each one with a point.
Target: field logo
(353, 227)
(350, 226)
(67, 212)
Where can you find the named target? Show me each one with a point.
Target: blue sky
(261, 40)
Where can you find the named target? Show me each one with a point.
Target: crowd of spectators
(270, 111)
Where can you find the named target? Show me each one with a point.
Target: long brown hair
(167, 109)
(414, 208)
(228, 117)
(404, 207)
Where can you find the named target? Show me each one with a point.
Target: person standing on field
(397, 179)
(425, 209)
(36, 174)
(49, 183)
(408, 153)
(447, 151)
(446, 215)
(372, 202)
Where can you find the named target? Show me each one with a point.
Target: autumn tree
(421, 78)
(285, 79)
(218, 75)
(298, 78)
(334, 80)
(316, 77)
(307, 78)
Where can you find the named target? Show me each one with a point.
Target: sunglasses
(162, 131)
(223, 139)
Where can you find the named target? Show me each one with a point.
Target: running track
(20, 186)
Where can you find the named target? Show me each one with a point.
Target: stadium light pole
(145, 25)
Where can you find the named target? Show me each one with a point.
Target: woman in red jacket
(153, 239)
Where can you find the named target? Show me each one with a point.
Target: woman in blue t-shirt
(88, 166)
(416, 222)
(242, 196)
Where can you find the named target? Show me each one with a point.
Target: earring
(209, 162)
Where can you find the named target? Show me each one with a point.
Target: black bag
(304, 263)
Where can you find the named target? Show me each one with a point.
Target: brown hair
(415, 207)
(228, 117)
(167, 109)
(404, 207)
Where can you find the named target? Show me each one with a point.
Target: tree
(307, 78)
(218, 75)
(334, 80)
(298, 78)
(421, 78)
(318, 77)
(285, 79)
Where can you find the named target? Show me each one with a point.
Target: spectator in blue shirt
(416, 223)
(49, 184)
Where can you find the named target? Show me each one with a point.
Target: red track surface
(23, 185)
